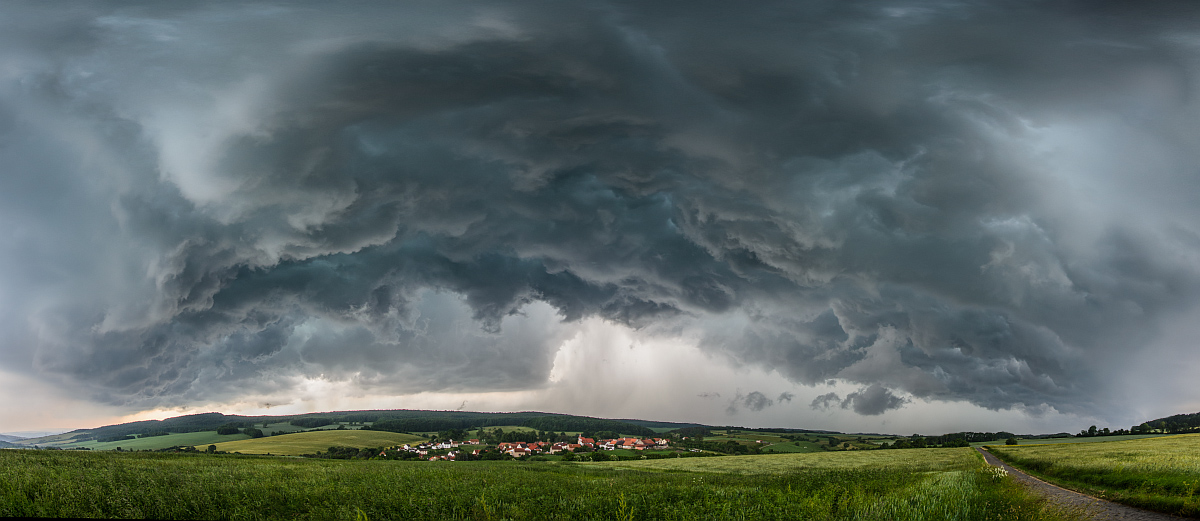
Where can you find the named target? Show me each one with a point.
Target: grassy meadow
(312, 441)
(161, 442)
(923, 484)
(797, 442)
(1050, 441)
(1160, 473)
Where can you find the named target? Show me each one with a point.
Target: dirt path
(1096, 508)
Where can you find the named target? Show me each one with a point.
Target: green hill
(396, 420)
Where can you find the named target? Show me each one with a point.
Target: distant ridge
(400, 420)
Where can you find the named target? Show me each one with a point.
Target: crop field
(931, 484)
(793, 446)
(1092, 439)
(162, 442)
(796, 443)
(1160, 473)
(313, 441)
(919, 460)
(47, 441)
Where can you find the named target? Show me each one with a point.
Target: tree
(212, 449)
(568, 456)
(846, 445)
(1010, 441)
(1092, 430)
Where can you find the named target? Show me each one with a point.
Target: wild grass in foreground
(197, 486)
(1160, 474)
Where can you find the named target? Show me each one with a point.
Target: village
(521, 449)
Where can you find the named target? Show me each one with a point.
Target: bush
(228, 428)
(1010, 441)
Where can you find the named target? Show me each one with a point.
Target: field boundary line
(1094, 507)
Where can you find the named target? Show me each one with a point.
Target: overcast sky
(863, 216)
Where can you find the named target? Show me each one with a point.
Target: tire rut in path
(1095, 508)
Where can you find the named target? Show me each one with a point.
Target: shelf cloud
(993, 203)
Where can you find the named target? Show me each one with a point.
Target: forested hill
(1178, 423)
(661, 425)
(394, 420)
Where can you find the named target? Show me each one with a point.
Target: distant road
(1096, 508)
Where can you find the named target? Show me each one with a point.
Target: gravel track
(1095, 508)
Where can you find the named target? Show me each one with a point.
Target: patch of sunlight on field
(52, 440)
(916, 460)
(162, 442)
(313, 441)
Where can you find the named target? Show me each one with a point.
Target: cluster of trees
(692, 432)
(724, 447)
(1093, 431)
(239, 428)
(366, 453)
(917, 441)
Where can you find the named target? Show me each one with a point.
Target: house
(587, 442)
(627, 443)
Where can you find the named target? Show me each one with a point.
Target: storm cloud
(871, 400)
(989, 202)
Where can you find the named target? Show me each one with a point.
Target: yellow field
(916, 460)
(313, 441)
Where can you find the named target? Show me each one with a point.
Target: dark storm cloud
(206, 198)
(873, 400)
(755, 401)
(825, 401)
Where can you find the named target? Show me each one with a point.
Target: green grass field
(914, 460)
(1160, 473)
(313, 441)
(1093, 439)
(928, 484)
(790, 447)
(162, 442)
